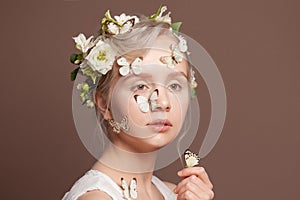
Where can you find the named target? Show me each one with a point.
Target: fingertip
(179, 173)
(175, 190)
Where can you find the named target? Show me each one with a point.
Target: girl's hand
(195, 185)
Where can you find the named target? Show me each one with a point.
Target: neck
(118, 163)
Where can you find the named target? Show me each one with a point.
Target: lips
(160, 125)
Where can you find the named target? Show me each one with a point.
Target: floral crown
(97, 56)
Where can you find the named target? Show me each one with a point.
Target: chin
(159, 140)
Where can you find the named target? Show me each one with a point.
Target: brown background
(254, 43)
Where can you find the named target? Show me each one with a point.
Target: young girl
(137, 78)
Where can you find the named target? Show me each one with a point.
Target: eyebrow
(178, 73)
(142, 75)
(148, 75)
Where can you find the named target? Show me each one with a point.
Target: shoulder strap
(164, 189)
(94, 180)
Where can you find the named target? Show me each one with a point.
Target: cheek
(135, 114)
(123, 104)
(179, 105)
(120, 101)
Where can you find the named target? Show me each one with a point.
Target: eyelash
(178, 87)
(143, 87)
(140, 87)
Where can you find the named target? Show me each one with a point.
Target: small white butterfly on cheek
(145, 104)
(142, 103)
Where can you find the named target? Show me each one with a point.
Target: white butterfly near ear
(117, 127)
(175, 58)
(129, 192)
(145, 104)
(191, 159)
(136, 66)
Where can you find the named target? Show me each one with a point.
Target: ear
(101, 103)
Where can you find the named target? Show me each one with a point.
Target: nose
(163, 101)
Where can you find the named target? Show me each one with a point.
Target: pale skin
(195, 183)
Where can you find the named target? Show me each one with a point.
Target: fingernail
(179, 173)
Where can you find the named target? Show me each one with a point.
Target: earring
(117, 127)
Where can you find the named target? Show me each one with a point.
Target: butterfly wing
(168, 60)
(115, 125)
(153, 100)
(124, 124)
(176, 54)
(113, 28)
(143, 103)
(136, 66)
(133, 192)
(124, 69)
(191, 159)
(125, 188)
(126, 26)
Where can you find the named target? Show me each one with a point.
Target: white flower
(82, 43)
(90, 104)
(165, 18)
(122, 24)
(101, 57)
(182, 43)
(124, 18)
(85, 94)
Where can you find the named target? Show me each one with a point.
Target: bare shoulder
(94, 195)
(170, 185)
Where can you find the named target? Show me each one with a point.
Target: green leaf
(76, 58)
(91, 73)
(106, 19)
(157, 13)
(73, 57)
(193, 93)
(74, 73)
(175, 26)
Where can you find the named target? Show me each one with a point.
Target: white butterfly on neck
(145, 104)
(129, 192)
(191, 159)
(136, 66)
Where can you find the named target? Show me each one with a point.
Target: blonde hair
(132, 44)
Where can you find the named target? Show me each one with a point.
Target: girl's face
(155, 101)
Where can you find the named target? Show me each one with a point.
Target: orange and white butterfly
(191, 159)
(136, 66)
(175, 58)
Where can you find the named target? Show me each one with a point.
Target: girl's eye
(140, 87)
(175, 86)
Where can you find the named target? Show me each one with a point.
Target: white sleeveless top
(96, 180)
